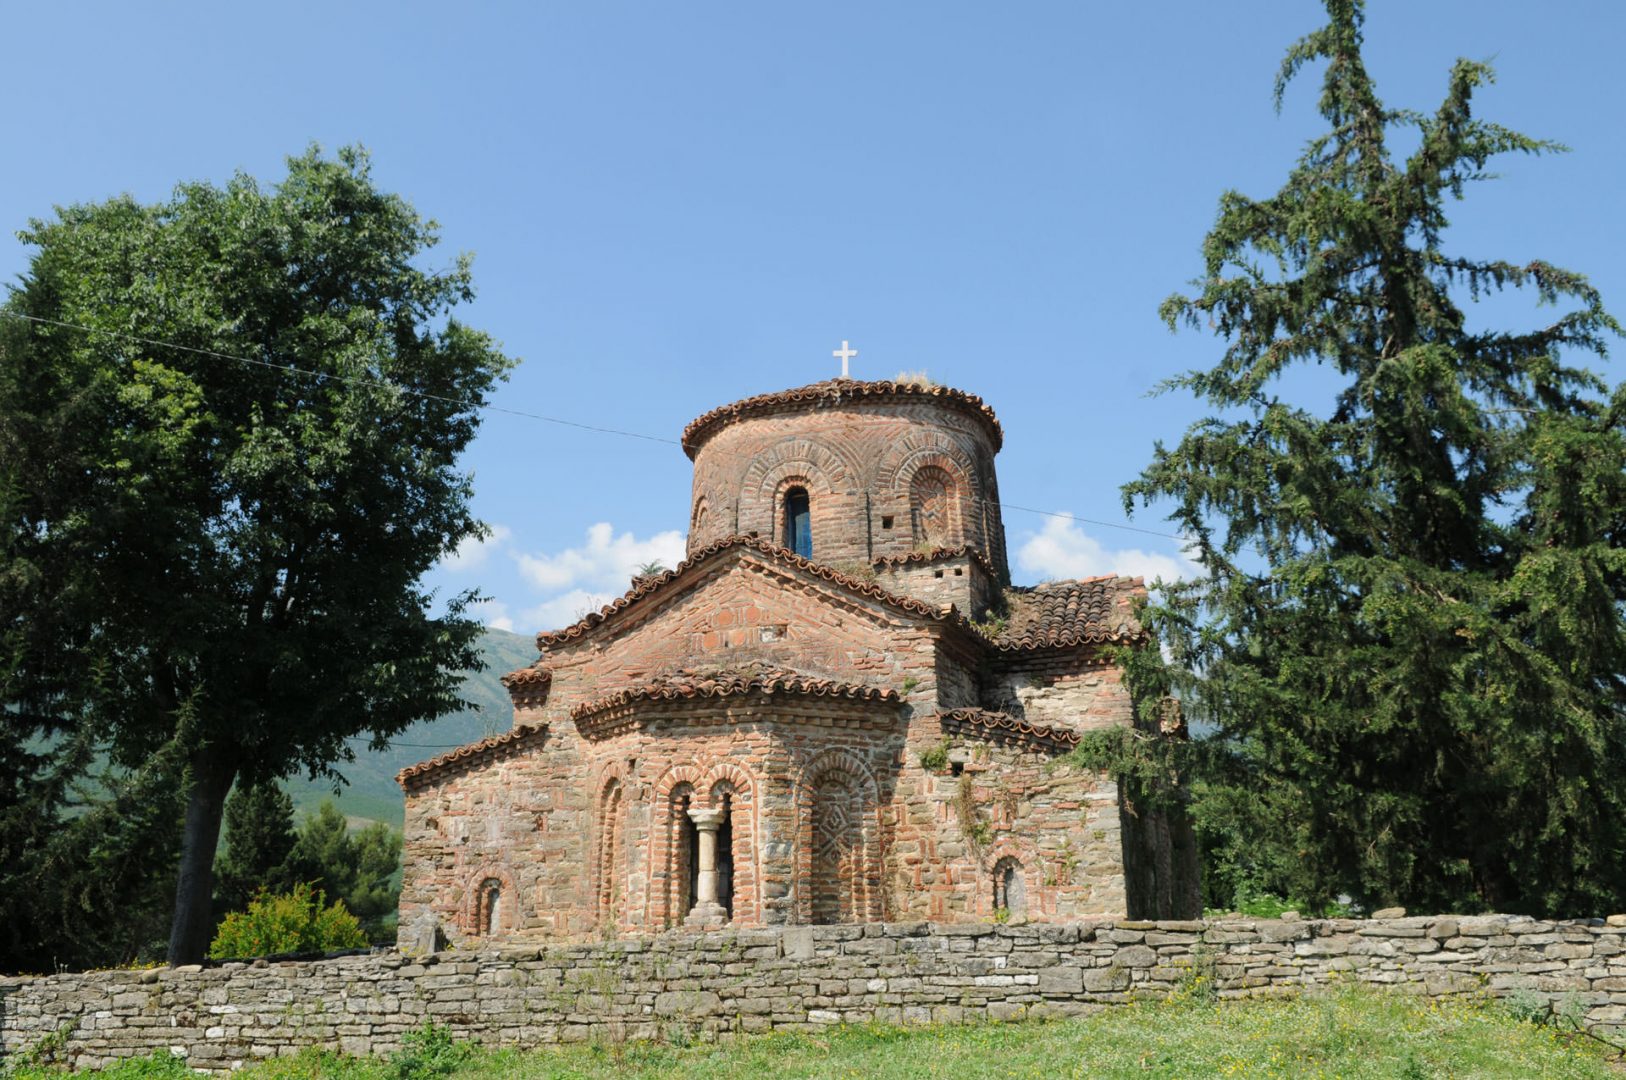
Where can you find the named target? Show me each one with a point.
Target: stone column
(707, 913)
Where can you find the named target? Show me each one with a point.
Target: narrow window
(725, 858)
(1009, 893)
(798, 523)
(490, 897)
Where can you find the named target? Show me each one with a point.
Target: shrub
(429, 1052)
(297, 921)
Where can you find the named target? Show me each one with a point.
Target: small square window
(959, 572)
(938, 573)
(886, 521)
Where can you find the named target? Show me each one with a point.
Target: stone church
(835, 709)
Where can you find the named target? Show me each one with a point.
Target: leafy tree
(228, 435)
(259, 844)
(1410, 634)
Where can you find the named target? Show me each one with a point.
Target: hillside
(372, 792)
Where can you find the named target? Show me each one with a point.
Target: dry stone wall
(792, 978)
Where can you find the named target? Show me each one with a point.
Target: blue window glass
(798, 523)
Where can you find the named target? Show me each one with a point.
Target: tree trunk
(193, 924)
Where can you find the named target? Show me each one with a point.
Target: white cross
(845, 353)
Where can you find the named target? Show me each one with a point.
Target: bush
(298, 921)
(429, 1052)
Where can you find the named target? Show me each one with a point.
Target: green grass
(1351, 1033)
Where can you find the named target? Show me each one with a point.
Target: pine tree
(1410, 632)
(259, 843)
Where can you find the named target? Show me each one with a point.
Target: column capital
(706, 818)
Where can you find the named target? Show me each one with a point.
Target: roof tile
(1003, 724)
(652, 582)
(834, 392)
(478, 753)
(1062, 613)
(688, 684)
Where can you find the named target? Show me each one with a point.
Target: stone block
(687, 1003)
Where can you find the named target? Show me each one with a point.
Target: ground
(1354, 1033)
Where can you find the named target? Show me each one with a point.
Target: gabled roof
(833, 392)
(1000, 725)
(478, 753)
(691, 684)
(648, 586)
(1062, 613)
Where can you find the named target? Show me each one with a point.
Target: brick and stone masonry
(680, 986)
(835, 710)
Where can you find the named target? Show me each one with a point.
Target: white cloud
(473, 552)
(1063, 550)
(605, 563)
(493, 613)
(562, 610)
(585, 578)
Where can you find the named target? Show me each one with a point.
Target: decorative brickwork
(717, 985)
(758, 738)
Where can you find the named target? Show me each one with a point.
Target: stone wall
(795, 979)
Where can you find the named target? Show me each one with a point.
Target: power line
(355, 380)
(415, 745)
(475, 404)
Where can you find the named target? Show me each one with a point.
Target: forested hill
(372, 792)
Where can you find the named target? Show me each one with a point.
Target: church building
(836, 709)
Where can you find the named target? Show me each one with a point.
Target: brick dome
(865, 470)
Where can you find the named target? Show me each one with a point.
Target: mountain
(372, 794)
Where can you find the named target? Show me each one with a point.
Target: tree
(228, 439)
(1410, 632)
(259, 845)
(361, 868)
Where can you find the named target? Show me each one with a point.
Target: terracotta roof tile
(1061, 613)
(654, 582)
(689, 684)
(1003, 724)
(834, 392)
(934, 555)
(527, 676)
(497, 746)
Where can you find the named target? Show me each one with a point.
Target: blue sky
(676, 205)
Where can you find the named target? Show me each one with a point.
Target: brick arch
(838, 872)
(477, 915)
(976, 512)
(803, 461)
(669, 872)
(1008, 848)
(909, 454)
(610, 854)
(744, 814)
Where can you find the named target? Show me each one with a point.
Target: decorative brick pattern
(722, 984)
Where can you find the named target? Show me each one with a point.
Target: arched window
(486, 913)
(798, 522)
(1009, 892)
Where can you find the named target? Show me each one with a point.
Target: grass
(1353, 1033)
